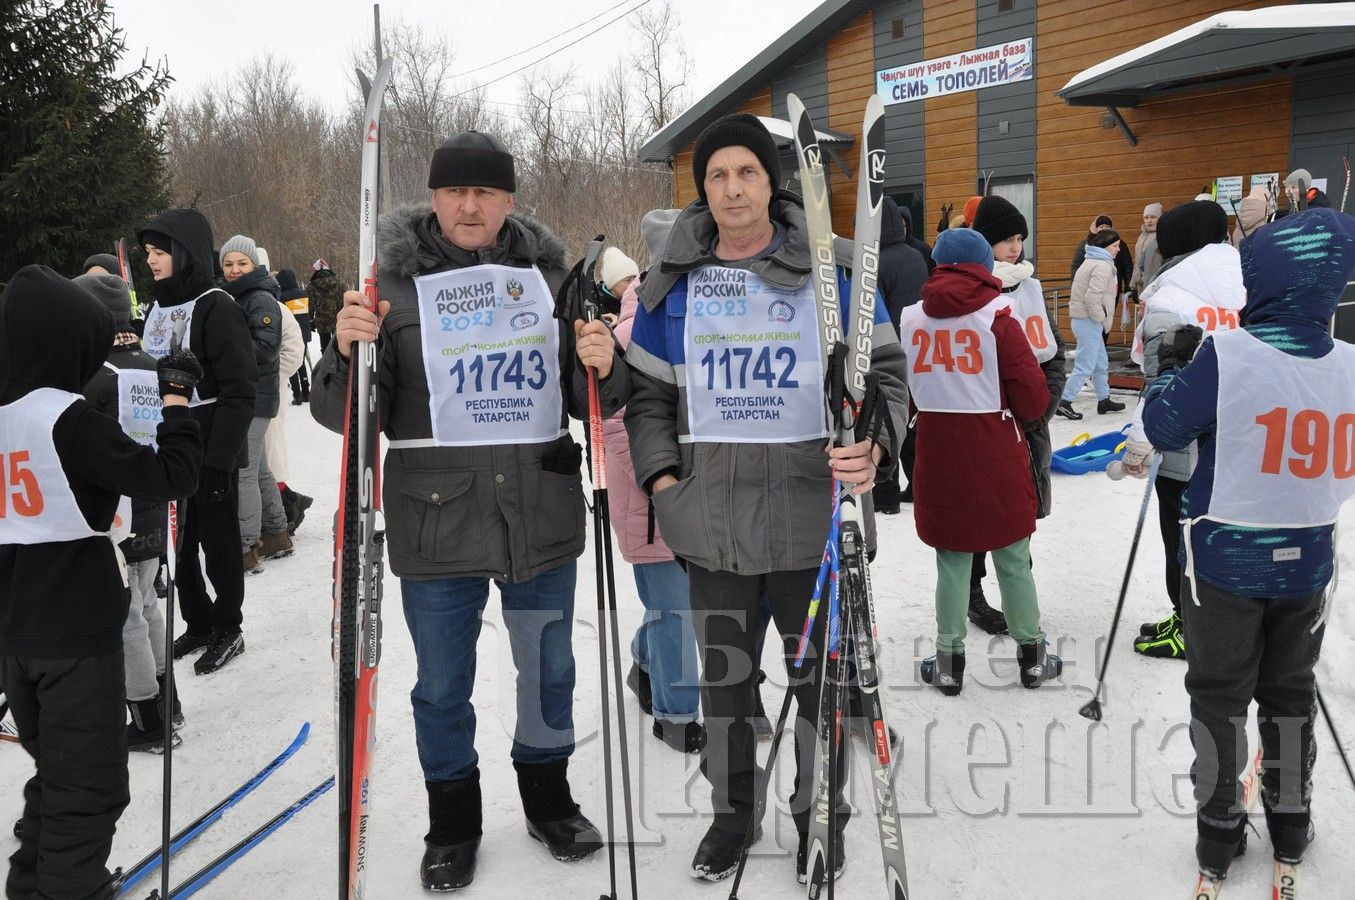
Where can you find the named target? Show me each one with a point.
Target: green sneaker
(1160, 627)
(1169, 644)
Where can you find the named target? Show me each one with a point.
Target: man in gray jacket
(481, 481)
(727, 430)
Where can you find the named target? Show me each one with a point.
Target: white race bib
(37, 505)
(1190, 311)
(952, 363)
(167, 327)
(1027, 305)
(753, 370)
(491, 354)
(140, 408)
(1285, 445)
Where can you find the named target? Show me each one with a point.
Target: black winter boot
(1290, 834)
(146, 731)
(1108, 406)
(553, 818)
(638, 681)
(454, 821)
(946, 671)
(717, 856)
(981, 614)
(1038, 665)
(684, 737)
(1065, 409)
(176, 707)
(1215, 848)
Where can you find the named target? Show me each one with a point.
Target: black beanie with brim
(737, 130)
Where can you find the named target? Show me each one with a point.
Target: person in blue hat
(973, 381)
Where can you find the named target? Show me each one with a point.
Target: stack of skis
(856, 410)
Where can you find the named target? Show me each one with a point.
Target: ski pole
(1331, 726)
(606, 595)
(1092, 709)
(167, 711)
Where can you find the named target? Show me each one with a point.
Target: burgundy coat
(972, 485)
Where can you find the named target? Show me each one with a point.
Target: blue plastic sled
(1090, 454)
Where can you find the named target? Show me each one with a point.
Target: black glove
(213, 485)
(1178, 347)
(179, 373)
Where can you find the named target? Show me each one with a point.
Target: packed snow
(1005, 792)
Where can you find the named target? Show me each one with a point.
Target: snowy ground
(1007, 792)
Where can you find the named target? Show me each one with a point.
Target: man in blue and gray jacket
(1272, 405)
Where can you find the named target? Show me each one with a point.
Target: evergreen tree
(81, 161)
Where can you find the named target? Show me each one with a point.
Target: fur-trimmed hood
(410, 244)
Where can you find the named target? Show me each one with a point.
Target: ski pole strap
(835, 388)
(649, 531)
(872, 416)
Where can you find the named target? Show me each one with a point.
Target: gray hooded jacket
(509, 512)
(744, 508)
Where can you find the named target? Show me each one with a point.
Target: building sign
(1228, 192)
(987, 67)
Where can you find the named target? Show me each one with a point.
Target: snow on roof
(1310, 16)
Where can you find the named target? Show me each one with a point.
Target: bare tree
(663, 67)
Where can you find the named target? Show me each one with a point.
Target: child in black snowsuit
(63, 585)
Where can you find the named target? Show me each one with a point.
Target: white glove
(1137, 460)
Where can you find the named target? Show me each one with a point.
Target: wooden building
(1158, 124)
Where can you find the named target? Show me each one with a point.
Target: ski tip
(1206, 888)
(305, 732)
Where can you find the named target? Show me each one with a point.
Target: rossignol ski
(194, 829)
(201, 878)
(359, 542)
(856, 411)
(1207, 887)
(819, 225)
(125, 271)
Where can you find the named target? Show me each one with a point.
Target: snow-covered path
(1007, 792)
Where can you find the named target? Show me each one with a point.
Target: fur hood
(410, 243)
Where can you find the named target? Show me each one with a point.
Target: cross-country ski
(838, 449)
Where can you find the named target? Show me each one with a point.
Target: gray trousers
(260, 501)
(1240, 648)
(143, 634)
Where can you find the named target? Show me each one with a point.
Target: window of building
(1020, 191)
(1006, 5)
(897, 28)
(910, 198)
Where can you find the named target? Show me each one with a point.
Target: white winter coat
(290, 355)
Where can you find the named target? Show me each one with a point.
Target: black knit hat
(1189, 227)
(997, 219)
(106, 261)
(472, 159)
(737, 130)
(111, 291)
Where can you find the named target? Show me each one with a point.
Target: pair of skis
(846, 348)
(360, 541)
(193, 830)
(853, 404)
(1285, 876)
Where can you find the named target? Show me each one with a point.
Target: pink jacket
(628, 504)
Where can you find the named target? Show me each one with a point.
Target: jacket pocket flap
(437, 489)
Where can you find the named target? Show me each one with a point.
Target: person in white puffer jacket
(1199, 286)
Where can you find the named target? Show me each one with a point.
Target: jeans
(260, 501)
(665, 644)
(143, 634)
(1091, 361)
(444, 618)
